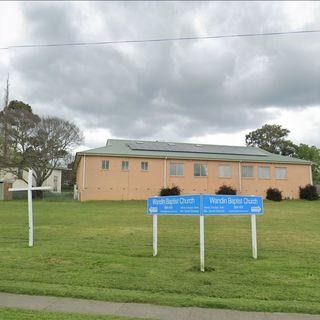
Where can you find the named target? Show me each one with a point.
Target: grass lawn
(17, 314)
(103, 250)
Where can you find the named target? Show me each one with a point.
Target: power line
(70, 44)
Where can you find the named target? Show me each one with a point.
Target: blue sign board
(223, 204)
(205, 204)
(174, 205)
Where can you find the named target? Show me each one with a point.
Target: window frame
(144, 163)
(175, 164)
(104, 161)
(276, 173)
(201, 170)
(123, 168)
(225, 166)
(55, 183)
(264, 167)
(252, 172)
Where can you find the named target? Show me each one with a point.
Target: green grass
(103, 250)
(18, 314)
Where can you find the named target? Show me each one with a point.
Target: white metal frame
(202, 246)
(29, 189)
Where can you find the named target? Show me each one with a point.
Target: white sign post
(203, 205)
(254, 236)
(202, 242)
(155, 235)
(30, 210)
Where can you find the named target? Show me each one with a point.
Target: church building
(134, 169)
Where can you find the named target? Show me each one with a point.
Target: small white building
(54, 180)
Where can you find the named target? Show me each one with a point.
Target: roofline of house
(79, 154)
(100, 152)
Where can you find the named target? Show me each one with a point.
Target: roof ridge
(123, 147)
(183, 143)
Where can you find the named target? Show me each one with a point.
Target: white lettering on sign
(187, 201)
(217, 200)
(158, 201)
(250, 201)
(233, 201)
(172, 201)
(256, 209)
(153, 209)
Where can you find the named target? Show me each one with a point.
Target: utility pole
(6, 93)
(5, 122)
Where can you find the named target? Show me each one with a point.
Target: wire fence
(47, 195)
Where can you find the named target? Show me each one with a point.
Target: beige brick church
(133, 169)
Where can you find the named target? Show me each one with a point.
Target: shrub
(173, 191)
(274, 194)
(226, 190)
(309, 192)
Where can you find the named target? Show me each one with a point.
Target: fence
(47, 195)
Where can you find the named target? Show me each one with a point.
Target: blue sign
(205, 204)
(174, 205)
(223, 204)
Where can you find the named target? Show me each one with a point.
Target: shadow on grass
(197, 269)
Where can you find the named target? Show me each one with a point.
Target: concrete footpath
(138, 310)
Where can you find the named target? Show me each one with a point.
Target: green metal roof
(177, 150)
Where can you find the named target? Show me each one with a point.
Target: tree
(52, 142)
(36, 143)
(272, 138)
(68, 177)
(312, 154)
(19, 122)
(3, 125)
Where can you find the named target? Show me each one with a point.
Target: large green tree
(312, 154)
(18, 123)
(272, 138)
(34, 142)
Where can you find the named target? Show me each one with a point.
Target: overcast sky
(208, 91)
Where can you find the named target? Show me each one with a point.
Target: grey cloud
(49, 22)
(174, 89)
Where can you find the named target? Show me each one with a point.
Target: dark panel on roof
(195, 148)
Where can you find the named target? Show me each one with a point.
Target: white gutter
(165, 172)
(239, 171)
(84, 172)
(310, 170)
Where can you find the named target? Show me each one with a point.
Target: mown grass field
(103, 250)
(18, 314)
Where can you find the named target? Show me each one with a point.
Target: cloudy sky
(208, 91)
